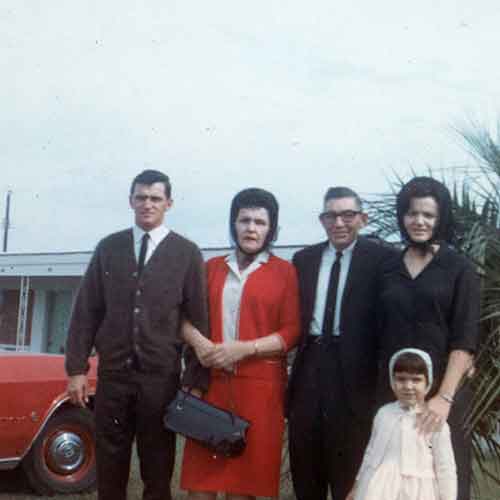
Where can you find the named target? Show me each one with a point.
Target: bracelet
(256, 348)
(449, 399)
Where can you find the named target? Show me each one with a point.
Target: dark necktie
(142, 253)
(331, 297)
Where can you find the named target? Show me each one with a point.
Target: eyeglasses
(347, 216)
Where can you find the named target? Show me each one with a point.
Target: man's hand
(224, 355)
(78, 389)
(193, 391)
(434, 415)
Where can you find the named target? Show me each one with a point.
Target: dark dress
(438, 311)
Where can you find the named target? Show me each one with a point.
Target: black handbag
(219, 430)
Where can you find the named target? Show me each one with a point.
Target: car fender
(57, 405)
(33, 388)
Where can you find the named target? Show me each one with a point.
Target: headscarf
(422, 354)
(255, 198)
(421, 187)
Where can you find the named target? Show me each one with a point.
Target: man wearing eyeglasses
(138, 286)
(331, 396)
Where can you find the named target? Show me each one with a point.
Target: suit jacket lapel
(310, 285)
(355, 270)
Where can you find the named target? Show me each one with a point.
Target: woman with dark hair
(254, 321)
(430, 300)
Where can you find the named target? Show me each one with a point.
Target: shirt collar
(157, 234)
(440, 258)
(261, 258)
(417, 409)
(347, 251)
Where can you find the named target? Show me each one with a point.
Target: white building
(37, 292)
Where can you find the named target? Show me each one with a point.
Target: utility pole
(6, 224)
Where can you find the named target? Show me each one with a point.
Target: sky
(291, 96)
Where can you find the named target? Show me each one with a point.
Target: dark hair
(255, 198)
(149, 177)
(334, 193)
(422, 187)
(410, 362)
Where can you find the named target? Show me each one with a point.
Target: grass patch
(13, 484)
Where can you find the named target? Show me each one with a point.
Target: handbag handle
(232, 404)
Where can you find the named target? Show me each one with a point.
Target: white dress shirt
(156, 236)
(327, 260)
(233, 290)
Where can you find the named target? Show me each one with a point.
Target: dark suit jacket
(358, 319)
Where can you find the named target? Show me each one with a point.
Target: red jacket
(269, 304)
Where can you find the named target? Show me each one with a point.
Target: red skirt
(257, 471)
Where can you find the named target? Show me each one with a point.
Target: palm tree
(476, 199)
(481, 241)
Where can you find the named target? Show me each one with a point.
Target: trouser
(130, 405)
(326, 440)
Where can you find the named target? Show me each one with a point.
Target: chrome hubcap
(66, 453)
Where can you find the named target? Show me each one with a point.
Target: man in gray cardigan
(139, 284)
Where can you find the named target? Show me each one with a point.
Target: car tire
(62, 458)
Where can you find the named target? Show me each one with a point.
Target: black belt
(322, 339)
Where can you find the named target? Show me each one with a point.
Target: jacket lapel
(310, 282)
(355, 270)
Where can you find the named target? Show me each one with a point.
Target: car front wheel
(62, 459)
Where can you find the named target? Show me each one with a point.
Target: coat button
(137, 310)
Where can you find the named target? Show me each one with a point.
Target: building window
(9, 317)
(60, 304)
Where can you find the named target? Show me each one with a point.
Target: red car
(40, 430)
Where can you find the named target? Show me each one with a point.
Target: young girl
(399, 462)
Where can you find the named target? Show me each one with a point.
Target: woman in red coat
(254, 317)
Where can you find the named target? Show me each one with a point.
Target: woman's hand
(350, 495)
(438, 407)
(434, 415)
(203, 347)
(223, 356)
